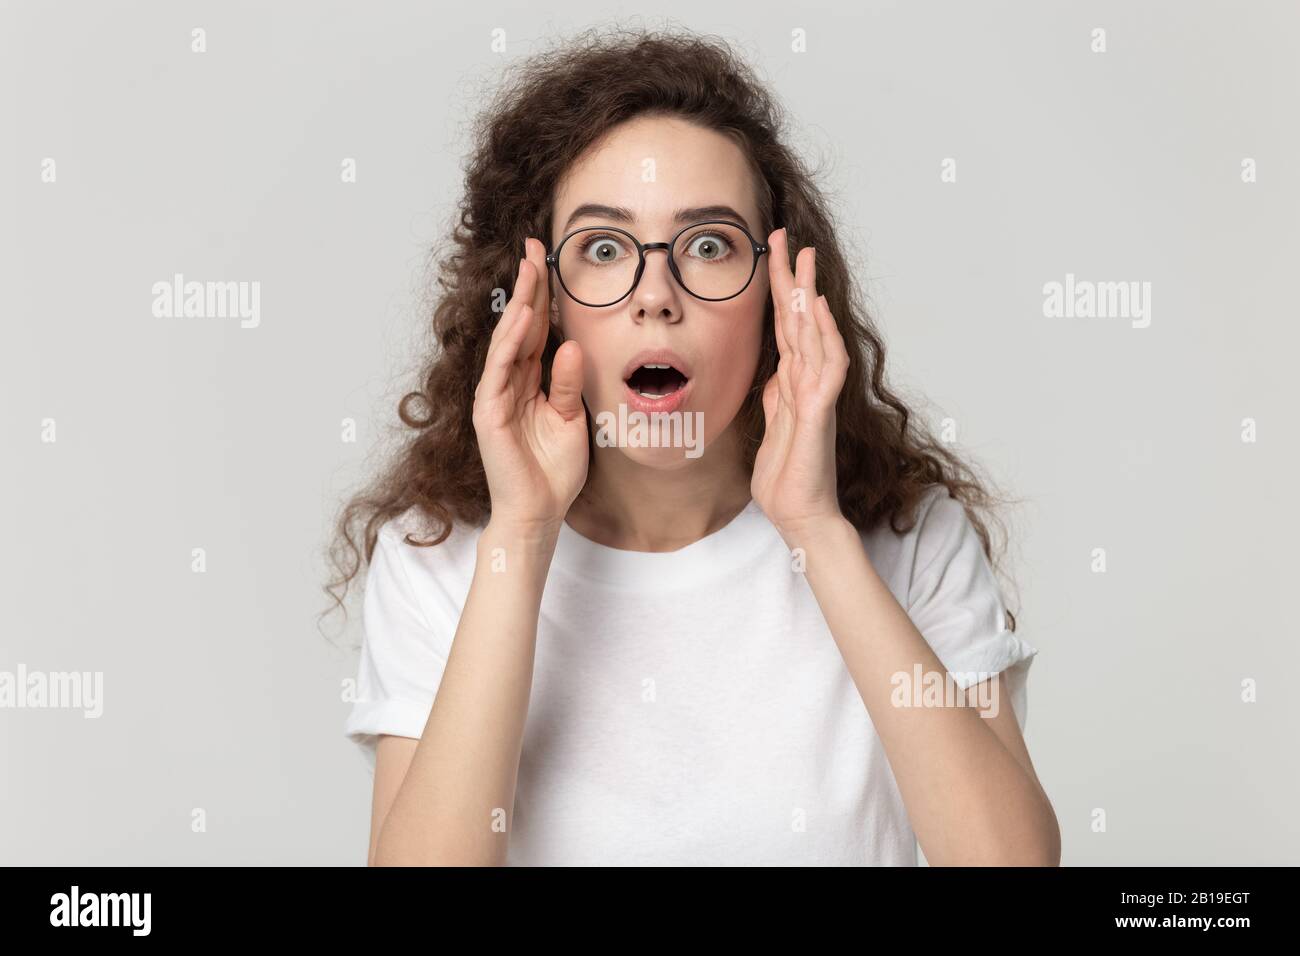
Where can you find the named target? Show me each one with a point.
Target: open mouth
(656, 381)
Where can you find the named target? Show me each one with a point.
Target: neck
(634, 507)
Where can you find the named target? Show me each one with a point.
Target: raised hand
(534, 448)
(794, 479)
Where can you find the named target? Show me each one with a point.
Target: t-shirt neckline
(712, 555)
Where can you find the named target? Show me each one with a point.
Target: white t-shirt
(689, 707)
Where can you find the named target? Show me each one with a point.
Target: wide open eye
(601, 248)
(709, 246)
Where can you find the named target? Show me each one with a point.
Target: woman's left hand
(794, 479)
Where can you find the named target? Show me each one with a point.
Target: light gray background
(220, 692)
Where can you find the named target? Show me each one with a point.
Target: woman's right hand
(534, 448)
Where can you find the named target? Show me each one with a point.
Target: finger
(511, 330)
(770, 398)
(776, 419)
(835, 362)
(526, 291)
(836, 353)
(810, 344)
(784, 359)
(532, 380)
(802, 293)
(501, 356)
(566, 381)
(535, 253)
(781, 281)
(796, 302)
(778, 325)
(519, 294)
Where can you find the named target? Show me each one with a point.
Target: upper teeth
(655, 366)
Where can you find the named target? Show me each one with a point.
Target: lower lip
(669, 403)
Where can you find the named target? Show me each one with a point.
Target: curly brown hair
(553, 106)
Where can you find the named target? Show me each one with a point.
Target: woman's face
(655, 168)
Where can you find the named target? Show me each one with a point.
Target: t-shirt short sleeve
(402, 656)
(955, 603)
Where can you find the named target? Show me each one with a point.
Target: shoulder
(411, 535)
(943, 531)
(935, 510)
(415, 590)
(935, 530)
(939, 518)
(407, 566)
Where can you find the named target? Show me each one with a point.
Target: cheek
(597, 354)
(738, 347)
(747, 331)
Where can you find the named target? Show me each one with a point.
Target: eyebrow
(683, 216)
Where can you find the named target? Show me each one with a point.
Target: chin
(666, 440)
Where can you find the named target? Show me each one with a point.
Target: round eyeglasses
(713, 260)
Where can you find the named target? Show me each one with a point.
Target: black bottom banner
(238, 904)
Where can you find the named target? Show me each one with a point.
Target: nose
(657, 292)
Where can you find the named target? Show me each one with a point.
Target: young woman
(586, 648)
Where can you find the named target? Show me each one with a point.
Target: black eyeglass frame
(553, 259)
